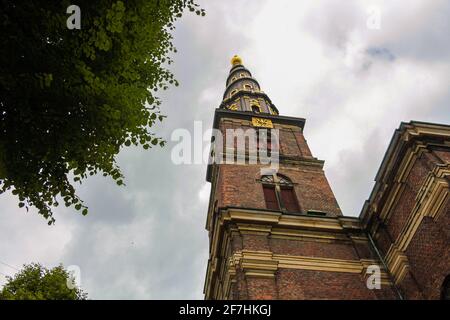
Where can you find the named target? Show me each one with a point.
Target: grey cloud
(353, 175)
(424, 33)
(333, 21)
(380, 53)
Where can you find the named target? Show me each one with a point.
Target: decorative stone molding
(266, 263)
(397, 263)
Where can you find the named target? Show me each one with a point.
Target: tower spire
(260, 213)
(243, 92)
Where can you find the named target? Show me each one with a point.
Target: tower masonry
(277, 232)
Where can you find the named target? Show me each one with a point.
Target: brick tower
(279, 234)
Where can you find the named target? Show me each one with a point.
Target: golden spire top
(236, 60)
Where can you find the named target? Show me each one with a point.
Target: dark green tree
(70, 99)
(35, 282)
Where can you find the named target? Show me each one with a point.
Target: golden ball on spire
(236, 60)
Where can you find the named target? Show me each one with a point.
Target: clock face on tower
(263, 123)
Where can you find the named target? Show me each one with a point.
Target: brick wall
(429, 249)
(291, 139)
(238, 186)
(306, 284)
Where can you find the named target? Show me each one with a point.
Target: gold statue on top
(236, 60)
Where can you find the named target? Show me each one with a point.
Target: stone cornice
(253, 157)
(256, 261)
(277, 219)
(247, 115)
(407, 143)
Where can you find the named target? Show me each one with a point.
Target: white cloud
(203, 194)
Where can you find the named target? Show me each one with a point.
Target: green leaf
(79, 95)
(35, 282)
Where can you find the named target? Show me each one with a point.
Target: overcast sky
(318, 60)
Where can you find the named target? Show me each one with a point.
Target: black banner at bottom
(224, 310)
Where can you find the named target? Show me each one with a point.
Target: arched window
(284, 180)
(233, 107)
(233, 92)
(279, 193)
(267, 179)
(233, 79)
(445, 293)
(271, 198)
(242, 75)
(256, 108)
(248, 87)
(288, 198)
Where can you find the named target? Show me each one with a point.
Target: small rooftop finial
(236, 60)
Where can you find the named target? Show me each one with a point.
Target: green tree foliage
(35, 282)
(70, 99)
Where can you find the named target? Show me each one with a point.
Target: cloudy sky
(354, 78)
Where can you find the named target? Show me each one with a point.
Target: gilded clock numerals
(260, 122)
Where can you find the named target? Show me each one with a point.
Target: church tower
(278, 233)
